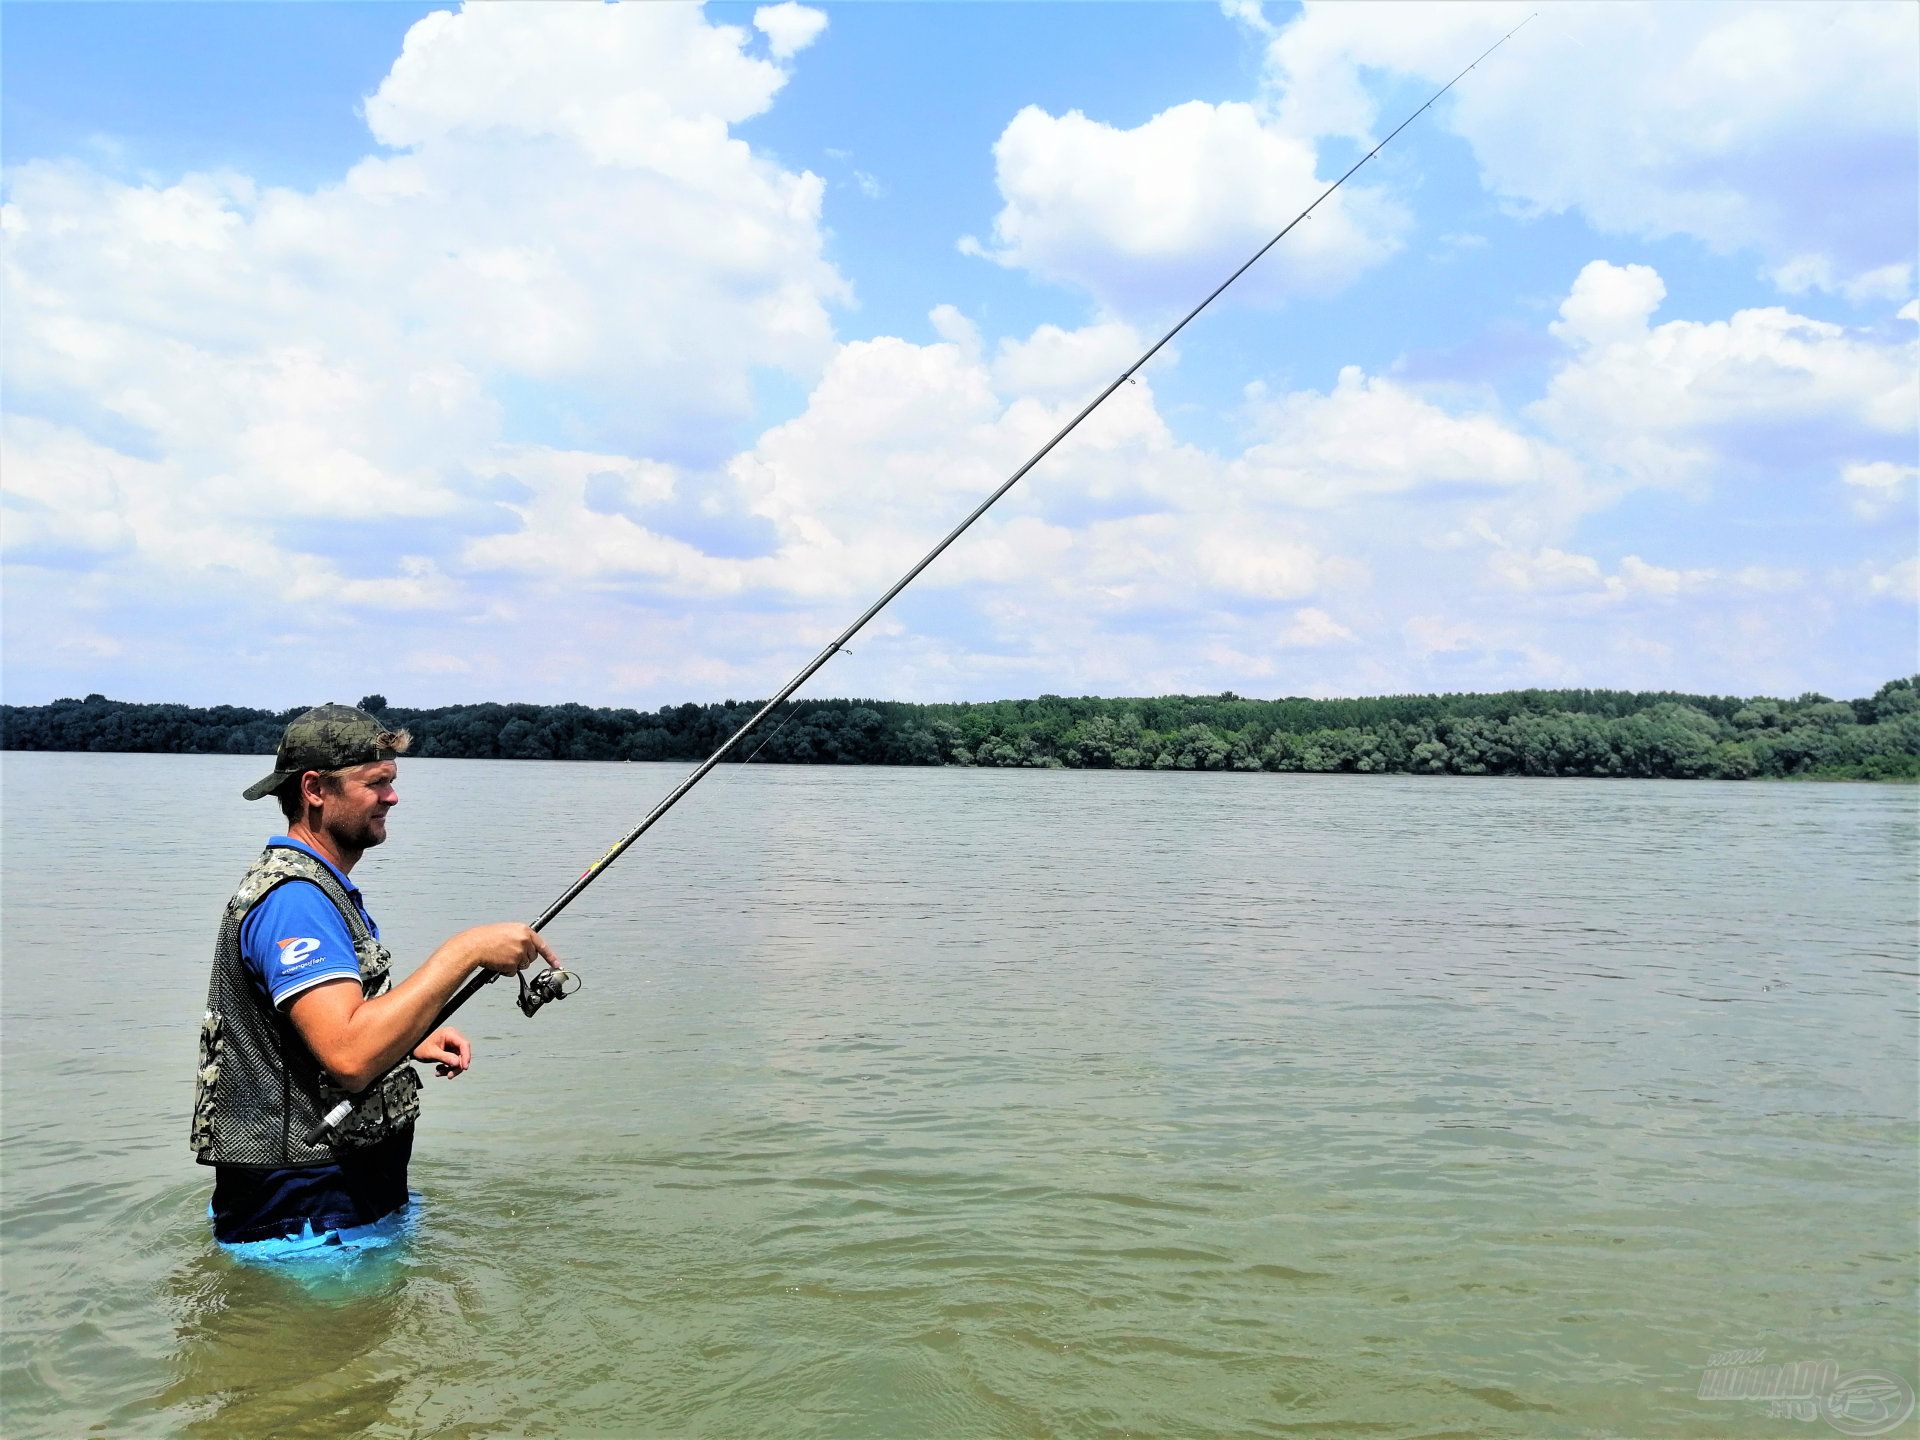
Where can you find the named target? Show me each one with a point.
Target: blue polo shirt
(291, 941)
(294, 939)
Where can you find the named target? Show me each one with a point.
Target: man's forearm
(358, 1040)
(387, 1027)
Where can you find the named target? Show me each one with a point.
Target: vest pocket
(379, 1113)
(206, 1081)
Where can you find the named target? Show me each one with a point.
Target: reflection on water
(317, 1327)
(980, 1103)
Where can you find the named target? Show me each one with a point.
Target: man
(300, 1011)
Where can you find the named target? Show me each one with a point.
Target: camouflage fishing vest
(259, 1089)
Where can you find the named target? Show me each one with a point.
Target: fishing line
(792, 710)
(555, 984)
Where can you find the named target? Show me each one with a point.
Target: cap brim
(267, 786)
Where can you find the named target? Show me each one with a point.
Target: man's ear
(312, 788)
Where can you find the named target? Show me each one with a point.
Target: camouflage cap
(327, 737)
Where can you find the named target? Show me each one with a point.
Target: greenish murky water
(989, 1103)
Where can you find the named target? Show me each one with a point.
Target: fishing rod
(555, 983)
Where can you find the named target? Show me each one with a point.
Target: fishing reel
(552, 983)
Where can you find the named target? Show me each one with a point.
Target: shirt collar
(289, 843)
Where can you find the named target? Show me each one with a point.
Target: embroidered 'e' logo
(294, 952)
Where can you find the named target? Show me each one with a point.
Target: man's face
(355, 815)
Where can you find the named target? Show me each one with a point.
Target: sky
(623, 354)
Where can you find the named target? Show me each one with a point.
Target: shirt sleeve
(294, 940)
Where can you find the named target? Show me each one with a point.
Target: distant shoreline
(1598, 734)
(1804, 778)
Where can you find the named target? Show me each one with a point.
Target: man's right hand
(506, 948)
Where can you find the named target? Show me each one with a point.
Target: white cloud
(68, 496)
(1248, 13)
(789, 27)
(1371, 436)
(624, 83)
(1815, 272)
(1429, 635)
(467, 259)
(1063, 364)
(438, 662)
(1545, 570)
(1481, 654)
(1637, 578)
(898, 440)
(1262, 567)
(1550, 571)
(892, 437)
(418, 586)
(951, 325)
(1787, 128)
(1897, 582)
(1609, 303)
(564, 532)
(321, 379)
(1458, 242)
(1158, 214)
(1311, 628)
(1879, 475)
(1878, 485)
(1661, 402)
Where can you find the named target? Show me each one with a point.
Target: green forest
(1597, 733)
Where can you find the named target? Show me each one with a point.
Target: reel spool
(552, 983)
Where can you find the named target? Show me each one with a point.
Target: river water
(970, 1103)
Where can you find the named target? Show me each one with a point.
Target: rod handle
(327, 1121)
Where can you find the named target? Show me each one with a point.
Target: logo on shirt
(296, 952)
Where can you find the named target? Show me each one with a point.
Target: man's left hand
(448, 1049)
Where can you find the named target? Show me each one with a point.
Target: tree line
(1599, 733)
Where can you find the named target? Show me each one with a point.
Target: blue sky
(622, 355)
